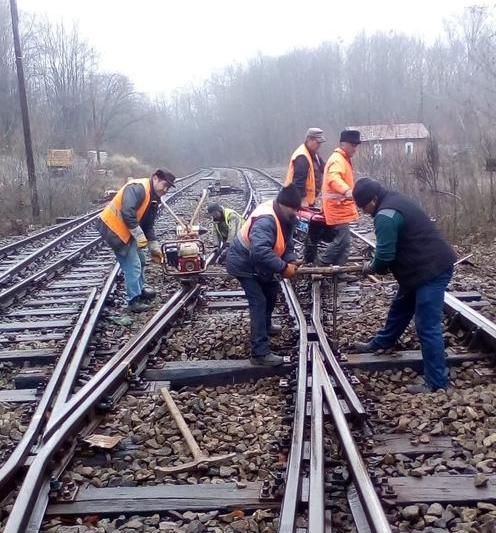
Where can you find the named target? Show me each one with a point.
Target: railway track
(318, 444)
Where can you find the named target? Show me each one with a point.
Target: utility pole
(35, 207)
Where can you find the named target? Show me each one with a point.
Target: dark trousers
(261, 296)
(338, 249)
(426, 304)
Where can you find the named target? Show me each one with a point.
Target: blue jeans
(132, 261)
(261, 296)
(426, 304)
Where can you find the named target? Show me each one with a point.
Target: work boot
(267, 360)
(423, 388)
(137, 306)
(148, 294)
(275, 330)
(362, 347)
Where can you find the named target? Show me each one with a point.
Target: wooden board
(459, 489)
(212, 372)
(18, 395)
(400, 443)
(20, 356)
(226, 304)
(38, 324)
(161, 498)
(401, 359)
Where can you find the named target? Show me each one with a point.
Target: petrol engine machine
(307, 216)
(184, 256)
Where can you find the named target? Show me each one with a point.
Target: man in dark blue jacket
(261, 253)
(409, 245)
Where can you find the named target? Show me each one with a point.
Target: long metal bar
(349, 393)
(196, 213)
(375, 513)
(316, 510)
(290, 500)
(21, 451)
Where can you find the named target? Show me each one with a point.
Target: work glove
(156, 252)
(348, 194)
(367, 268)
(290, 270)
(139, 237)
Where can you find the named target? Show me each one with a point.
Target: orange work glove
(290, 270)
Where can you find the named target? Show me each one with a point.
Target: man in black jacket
(409, 245)
(126, 225)
(261, 253)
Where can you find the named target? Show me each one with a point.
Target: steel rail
(77, 357)
(21, 265)
(316, 497)
(349, 393)
(4, 250)
(80, 403)
(65, 389)
(377, 517)
(17, 458)
(290, 500)
(9, 294)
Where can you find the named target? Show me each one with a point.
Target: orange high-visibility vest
(267, 208)
(112, 215)
(338, 178)
(310, 183)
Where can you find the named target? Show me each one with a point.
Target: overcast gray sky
(164, 44)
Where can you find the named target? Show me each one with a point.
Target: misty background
(286, 73)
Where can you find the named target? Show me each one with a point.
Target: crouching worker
(410, 245)
(126, 225)
(261, 253)
(227, 223)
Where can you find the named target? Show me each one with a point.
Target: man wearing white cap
(306, 167)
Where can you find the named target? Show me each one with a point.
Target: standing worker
(306, 167)
(126, 225)
(337, 201)
(227, 223)
(262, 251)
(410, 245)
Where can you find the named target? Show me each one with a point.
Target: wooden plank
(20, 356)
(401, 359)
(400, 443)
(38, 324)
(458, 489)
(161, 498)
(226, 304)
(180, 373)
(18, 395)
(479, 305)
(224, 294)
(16, 337)
(54, 301)
(75, 284)
(466, 296)
(45, 312)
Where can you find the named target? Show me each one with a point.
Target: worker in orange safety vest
(126, 225)
(306, 167)
(337, 203)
